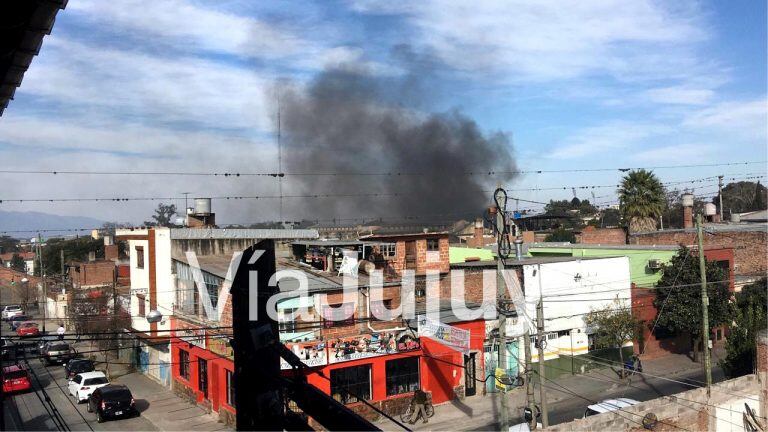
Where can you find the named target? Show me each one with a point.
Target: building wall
(749, 247)
(615, 236)
(92, 274)
(139, 283)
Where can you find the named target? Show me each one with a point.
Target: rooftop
(715, 228)
(405, 235)
(512, 262)
(224, 233)
(602, 246)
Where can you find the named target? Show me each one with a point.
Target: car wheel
(88, 408)
(99, 417)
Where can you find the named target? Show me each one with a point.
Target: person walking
(60, 331)
(419, 402)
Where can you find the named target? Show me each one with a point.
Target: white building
(153, 252)
(570, 288)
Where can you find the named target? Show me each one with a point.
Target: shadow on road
(142, 405)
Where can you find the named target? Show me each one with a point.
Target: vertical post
(502, 354)
(720, 195)
(61, 256)
(529, 397)
(542, 372)
(704, 305)
(42, 279)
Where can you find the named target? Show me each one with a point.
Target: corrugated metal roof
(512, 262)
(241, 233)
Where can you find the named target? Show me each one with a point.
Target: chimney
(519, 248)
(478, 238)
(687, 210)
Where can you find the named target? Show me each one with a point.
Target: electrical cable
(66, 396)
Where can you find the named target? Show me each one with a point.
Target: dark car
(18, 319)
(112, 401)
(8, 348)
(57, 352)
(77, 366)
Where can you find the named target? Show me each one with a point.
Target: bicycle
(409, 413)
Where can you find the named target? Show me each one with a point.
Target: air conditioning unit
(654, 264)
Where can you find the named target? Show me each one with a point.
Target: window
(184, 364)
(402, 375)
(339, 315)
(284, 324)
(139, 257)
(433, 244)
(388, 250)
(142, 304)
(202, 377)
(230, 388)
(350, 381)
(551, 336)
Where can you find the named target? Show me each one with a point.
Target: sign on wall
(447, 335)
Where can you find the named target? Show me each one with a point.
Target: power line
(480, 172)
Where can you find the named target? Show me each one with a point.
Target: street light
(154, 316)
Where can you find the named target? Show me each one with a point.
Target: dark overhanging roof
(23, 23)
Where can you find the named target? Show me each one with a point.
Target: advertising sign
(447, 335)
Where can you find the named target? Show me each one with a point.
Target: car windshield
(82, 365)
(15, 374)
(12, 307)
(95, 381)
(117, 395)
(59, 347)
(590, 412)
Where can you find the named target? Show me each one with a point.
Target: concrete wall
(591, 235)
(691, 410)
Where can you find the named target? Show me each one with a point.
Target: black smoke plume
(348, 121)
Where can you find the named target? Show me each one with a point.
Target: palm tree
(641, 200)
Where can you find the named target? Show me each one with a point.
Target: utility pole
(720, 195)
(704, 305)
(542, 340)
(529, 397)
(500, 197)
(42, 279)
(61, 255)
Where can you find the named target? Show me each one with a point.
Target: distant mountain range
(26, 224)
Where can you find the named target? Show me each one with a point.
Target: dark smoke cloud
(351, 121)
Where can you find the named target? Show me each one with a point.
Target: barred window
(433, 244)
(230, 388)
(349, 384)
(402, 375)
(184, 364)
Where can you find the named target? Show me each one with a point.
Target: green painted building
(644, 261)
(460, 254)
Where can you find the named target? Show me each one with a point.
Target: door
(410, 255)
(143, 361)
(202, 377)
(164, 372)
(470, 381)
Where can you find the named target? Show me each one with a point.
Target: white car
(82, 385)
(609, 405)
(11, 311)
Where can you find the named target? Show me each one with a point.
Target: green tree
(76, 249)
(614, 326)
(18, 264)
(561, 235)
(641, 200)
(679, 292)
(743, 196)
(163, 217)
(673, 212)
(750, 311)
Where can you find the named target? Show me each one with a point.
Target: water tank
(710, 209)
(190, 210)
(687, 200)
(202, 206)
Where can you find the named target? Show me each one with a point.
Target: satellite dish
(154, 316)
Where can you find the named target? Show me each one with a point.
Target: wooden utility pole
(501, 201)
(720, 196)
(704, 305)
(42, 279)
(542, 340)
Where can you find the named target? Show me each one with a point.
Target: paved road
(29, 408)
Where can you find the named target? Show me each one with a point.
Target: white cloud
(677, 154)
(680, 95)
(130, 84)
(182, 23)
(610, 138)
(544, 41)
(738, 117)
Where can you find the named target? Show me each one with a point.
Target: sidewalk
(165, 410)
(479, 411)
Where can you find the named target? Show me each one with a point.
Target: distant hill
(25, 224)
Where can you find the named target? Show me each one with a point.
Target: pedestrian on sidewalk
(60, 331)
(419, 401)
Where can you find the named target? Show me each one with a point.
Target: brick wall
(96, 273)
(749, 247)
(592, 235)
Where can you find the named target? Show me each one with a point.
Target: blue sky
(183, 84)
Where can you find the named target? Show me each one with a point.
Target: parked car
(57, 352)
(78, 366)
(83, 384)
(15, 320)
(43, 341)
(8, 348)
(11, 310)
(15, 379)
(112, 401)
(27, 328)
(609, 405)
